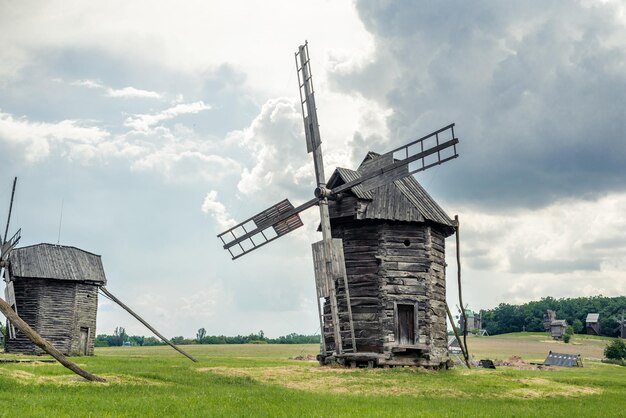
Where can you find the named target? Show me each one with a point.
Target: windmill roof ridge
(56, 245)
(56, 262)
(408, 186)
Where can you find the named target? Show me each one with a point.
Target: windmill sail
(8, 245)
(307, 98)
(430, 150)
(262, 228)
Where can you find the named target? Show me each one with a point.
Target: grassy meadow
(266, 380)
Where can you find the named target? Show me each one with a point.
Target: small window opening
(407, 242)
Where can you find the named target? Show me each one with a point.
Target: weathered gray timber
(394, 248)
(55, 291)
(548, 317)
(558, 328)
(592, 324)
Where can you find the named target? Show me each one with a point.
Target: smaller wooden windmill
(53, 289)
(400, 268)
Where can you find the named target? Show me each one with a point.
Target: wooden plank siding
(56, 310)
(383, 271)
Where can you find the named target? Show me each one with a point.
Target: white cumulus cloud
(37, 138)
(144, 122)
(124, 93)
(217, 210)
(131, 92)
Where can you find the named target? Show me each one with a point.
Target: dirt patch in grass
(27, 378)
(334, 380)
(544, 388)
(518, 363)
(306, 357)
(389, 383)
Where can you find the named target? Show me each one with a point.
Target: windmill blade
(309, 111)
(264, 227)
(8, 245)
(6, 231)
(419, 155)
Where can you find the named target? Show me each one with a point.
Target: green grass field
(262, 380)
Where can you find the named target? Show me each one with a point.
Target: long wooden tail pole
(458, 270)
(140, 319)
(19, 323)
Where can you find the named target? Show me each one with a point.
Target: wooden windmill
(379, 180)
(54, 290)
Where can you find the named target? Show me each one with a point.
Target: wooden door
(84, 337)
(406, 324)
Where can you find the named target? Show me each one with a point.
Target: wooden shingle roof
(402, 200)
(592, 317)
(57, 262)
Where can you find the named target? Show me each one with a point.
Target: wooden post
(32, 335)
(458, 269)
(140, 319)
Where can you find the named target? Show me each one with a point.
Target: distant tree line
(515, 318)
(120, 338)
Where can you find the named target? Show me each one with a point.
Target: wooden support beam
(458, 270)
(32, 335)
(140, 319)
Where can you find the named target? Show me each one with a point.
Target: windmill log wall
(391, 265)
(44, 305)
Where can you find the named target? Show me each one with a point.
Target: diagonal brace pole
(40, 342)
(140, 319)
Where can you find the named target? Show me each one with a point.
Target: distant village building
(548, 317)
(558, 328)
(592, 324)
(474, 321)
(54, 288)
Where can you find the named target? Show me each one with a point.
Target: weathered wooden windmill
(54, 288)
(379, 267)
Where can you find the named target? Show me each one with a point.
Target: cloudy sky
(139, 130)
